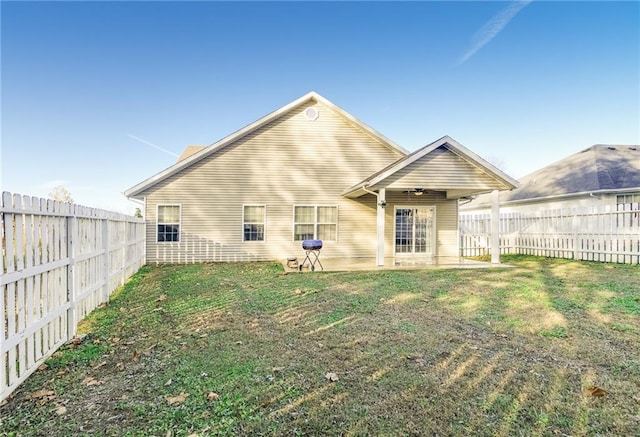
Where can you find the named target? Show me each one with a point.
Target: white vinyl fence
(593, 235)
(59, 262)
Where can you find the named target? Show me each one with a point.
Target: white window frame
(434, 233)
(158, 206)
(264, 223)
(635, 200)
(624, 216)
(315, 220)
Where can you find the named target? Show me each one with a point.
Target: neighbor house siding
(289, 161)
(584, 201)
(442, 170)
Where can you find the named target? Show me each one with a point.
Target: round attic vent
(311, 113)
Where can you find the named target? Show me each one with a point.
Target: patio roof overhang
(461, 173)
(452, 194)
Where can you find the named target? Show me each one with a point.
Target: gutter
(594, 193)
(382, 203)
(132, 199)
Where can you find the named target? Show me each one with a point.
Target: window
(253, 222)
(168, 223)
(315, 222)
(627, 206)
(628, 201)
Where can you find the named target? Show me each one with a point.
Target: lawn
(550, 347)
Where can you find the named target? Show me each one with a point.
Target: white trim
(144, 232)
(381, 216)
(315, 220)
(179, 205)
(453, 146)
(494, 230)
(264, 223)
(458, 247)
(434, 234)
(218, 145)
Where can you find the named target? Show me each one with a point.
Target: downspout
(364, 188)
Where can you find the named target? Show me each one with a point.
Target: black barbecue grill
(312, 249)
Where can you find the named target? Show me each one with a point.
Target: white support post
(380, 227)
(495, 227)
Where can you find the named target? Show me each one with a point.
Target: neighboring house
(311, 171)
(602, 177)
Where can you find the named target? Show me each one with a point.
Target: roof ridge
(255, 125)
(598, 168)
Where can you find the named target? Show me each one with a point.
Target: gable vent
(311, 113)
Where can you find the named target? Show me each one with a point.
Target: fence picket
(10, 306)
(29, 281)
(20, 308)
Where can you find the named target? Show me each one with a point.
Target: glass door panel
(414, 230)
(404, 230)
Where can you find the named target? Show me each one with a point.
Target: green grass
(245, 349)
(556, 332)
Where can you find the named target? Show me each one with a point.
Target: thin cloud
(155, 146)
(493, 27)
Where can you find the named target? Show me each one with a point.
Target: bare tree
(61, 194)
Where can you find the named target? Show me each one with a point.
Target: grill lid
(312, 244)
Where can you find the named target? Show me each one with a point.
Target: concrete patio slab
(369, 264)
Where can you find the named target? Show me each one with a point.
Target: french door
(415, 230)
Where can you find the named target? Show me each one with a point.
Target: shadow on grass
(452, 352)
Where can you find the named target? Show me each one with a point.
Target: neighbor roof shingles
(599, 168)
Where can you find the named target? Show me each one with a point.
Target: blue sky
(92, 91)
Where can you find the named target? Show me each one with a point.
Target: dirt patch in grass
(242, 349)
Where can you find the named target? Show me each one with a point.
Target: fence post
(123, 261)
(3, 369)
(71, 274)
(107, 255)
(575, 234)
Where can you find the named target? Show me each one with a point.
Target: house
(310, 170)
(601, 177)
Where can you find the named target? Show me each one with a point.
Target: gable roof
(446, 141)
(134, 192)
(600, 168)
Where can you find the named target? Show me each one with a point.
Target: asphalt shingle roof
(599, 168)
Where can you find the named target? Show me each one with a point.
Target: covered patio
(417, 200)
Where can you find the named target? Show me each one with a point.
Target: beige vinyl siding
(441, 170)
(447, 243)
(290, 161)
